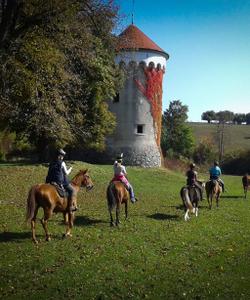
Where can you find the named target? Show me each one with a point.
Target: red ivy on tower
(152, 90)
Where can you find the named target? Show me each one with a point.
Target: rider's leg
(131, 193)
(200, 189)
(222, 185)
(70, 190)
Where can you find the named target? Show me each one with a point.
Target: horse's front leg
(66, 218)
(44, 221)
(69, 224)
(245, 192)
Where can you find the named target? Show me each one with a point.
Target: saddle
(60, 190)
(126, 187)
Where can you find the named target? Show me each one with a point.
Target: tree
(248, 118)
(225, 116)
(57, 66)
(239, 118)
(208, 116)
(176, 135)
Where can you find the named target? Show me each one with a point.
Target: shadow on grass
(85, 221)
(160, 216)
(14, 236)
(232, 197)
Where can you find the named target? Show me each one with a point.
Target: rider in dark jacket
(192, 179)
(57, 173)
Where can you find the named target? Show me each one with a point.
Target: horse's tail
(111, 196)
(31, 204)
(186, 199)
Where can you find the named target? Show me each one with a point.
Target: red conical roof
(133, 38)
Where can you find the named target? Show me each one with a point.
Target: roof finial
(133, 6)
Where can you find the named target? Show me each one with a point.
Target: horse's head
(86, 180)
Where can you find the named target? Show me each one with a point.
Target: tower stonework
(138, 106)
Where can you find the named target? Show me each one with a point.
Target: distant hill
(236, 137)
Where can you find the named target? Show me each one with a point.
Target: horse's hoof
(48, 239)
(67, 235)
(35, 242)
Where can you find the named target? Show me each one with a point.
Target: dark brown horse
(117, 194)
(246, 183)
(191, 197)
(213, 190)
(47, 197)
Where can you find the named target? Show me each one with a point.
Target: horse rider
(192, 179)
(120, 174)
(215, 173)
(57, 173)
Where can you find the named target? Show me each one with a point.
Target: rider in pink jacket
(120, 174)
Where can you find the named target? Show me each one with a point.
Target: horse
(117, 194)
(213, 189)
(191, 197)
(246, 184)
(46, 196)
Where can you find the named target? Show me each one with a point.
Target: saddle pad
(60, 190)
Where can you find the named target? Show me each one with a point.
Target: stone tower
(138, 106)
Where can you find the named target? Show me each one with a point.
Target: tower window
(116, 98)
(140, 129)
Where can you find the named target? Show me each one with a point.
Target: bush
(236, 163)
(204, 152)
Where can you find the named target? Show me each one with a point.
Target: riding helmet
(61, 152)
(192, 165)
(119, 157)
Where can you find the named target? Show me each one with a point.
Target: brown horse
(246, 183)
(117, 194)
(47, 197)
(213, 189)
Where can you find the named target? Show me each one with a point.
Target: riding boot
(131, 194)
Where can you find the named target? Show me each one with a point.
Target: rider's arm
(65, 170)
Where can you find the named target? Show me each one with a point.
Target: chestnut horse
(47, 197)
(117, 194)
(246, 184)
(213, 189)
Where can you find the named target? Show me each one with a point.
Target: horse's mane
(76, 178)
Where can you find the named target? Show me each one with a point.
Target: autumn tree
(177, 136)
(57, 71)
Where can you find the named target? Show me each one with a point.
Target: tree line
(57, 71)
(225, 116)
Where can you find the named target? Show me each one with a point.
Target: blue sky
(209, 46)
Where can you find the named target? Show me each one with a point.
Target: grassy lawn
(153, 255)
(236, 137)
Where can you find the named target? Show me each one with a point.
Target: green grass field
(153, 255)
(236, 137)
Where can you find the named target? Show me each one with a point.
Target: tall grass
(153, 255)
